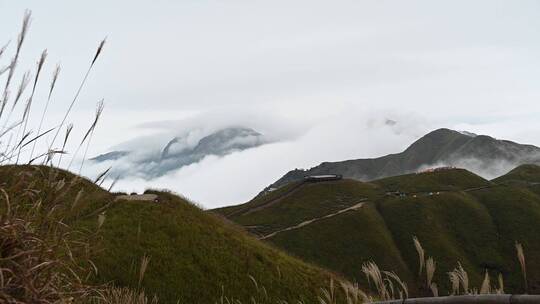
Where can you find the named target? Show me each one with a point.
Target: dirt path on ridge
(305, 223)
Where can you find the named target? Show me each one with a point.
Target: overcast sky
(321, 76)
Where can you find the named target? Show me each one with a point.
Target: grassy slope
(20, 178)
(259, 200)
(527, 173)
(307, 202)
(516, 213)
(452, 227)
(448, 180)
(343, 242)
(477, 228)
(193, 254)
(526, 177)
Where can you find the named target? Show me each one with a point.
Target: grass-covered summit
(192, 256)
(524, 173)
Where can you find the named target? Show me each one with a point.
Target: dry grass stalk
(434, 289)
(521, 258)
(463, 277)
(421, 254)
(142, 270)
(454, 281)
(459, 277)
(328, 295)
(13, 65)
(3, 70)
(500, 290)
(403, 289)
(22, 87)
(7, 156)
(98, 52)
(26, 113)
(14, 61)
(113, 183)
(88, 135)
(3, 49)
(254, 282)
(69, 128)
(373, 274)
(51, 88)
(116, 295)
(101, 220)
(20, 90)
(353, 294)
(388, 284)
(99, 179)
(430, 271)
(486, 284)
(56, 72)
(77, 199)
(34, 139)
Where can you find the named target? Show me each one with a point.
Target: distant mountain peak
(481, 154)
(177, 152)
(114, 155)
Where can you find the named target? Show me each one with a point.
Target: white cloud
(235, 178)
(318, 77)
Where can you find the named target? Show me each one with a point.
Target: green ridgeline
(457, 216)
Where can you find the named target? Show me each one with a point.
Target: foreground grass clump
(44, 258)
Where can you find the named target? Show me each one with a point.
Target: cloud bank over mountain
(269, 148)
(318, 84)
(283, 144)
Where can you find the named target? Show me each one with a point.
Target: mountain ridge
(481, 154)
(180, 151)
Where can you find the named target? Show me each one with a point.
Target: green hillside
(457, 216)
(445, 180)
(452, 227)
(261, 200)
(194, 257)
(305, 202)
(523, 173)
(343, 242)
